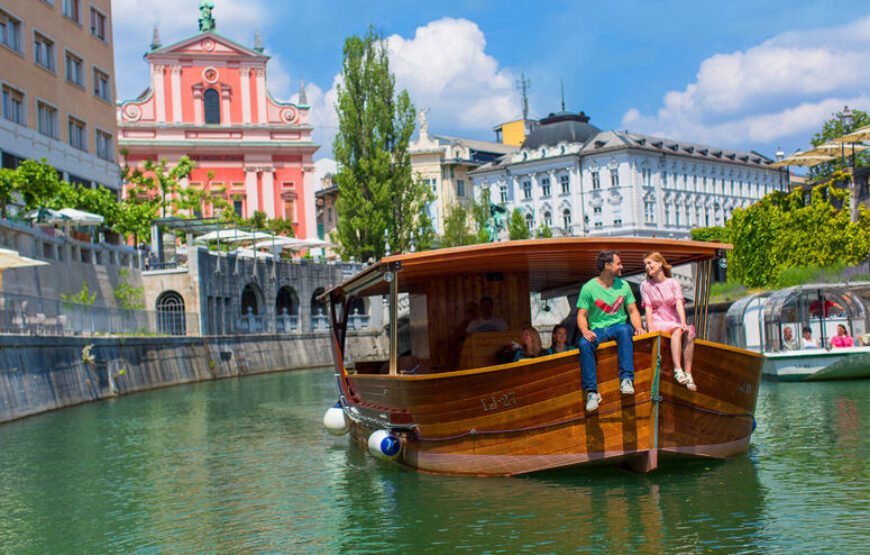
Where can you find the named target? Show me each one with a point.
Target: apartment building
(58, 88)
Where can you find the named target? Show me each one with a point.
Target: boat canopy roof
(551, 264)
(806, 301)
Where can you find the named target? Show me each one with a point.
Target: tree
(517, 227)
(832, 129)
(544, 232)
(457, 232)
(8, 186)
(780, 232)
(376, 190)
(156, 182)
(38, 183)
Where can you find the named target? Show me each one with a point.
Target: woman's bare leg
(676, 346)
(688, 354)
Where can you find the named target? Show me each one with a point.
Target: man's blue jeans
(622, 333)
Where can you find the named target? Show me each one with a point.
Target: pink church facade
(208, 99)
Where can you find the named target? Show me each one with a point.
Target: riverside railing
(43, 316)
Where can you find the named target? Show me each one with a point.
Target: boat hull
(530, 415)
(817, 365)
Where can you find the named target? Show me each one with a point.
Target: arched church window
(211, 100)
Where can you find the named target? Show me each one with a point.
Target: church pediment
(208, 43)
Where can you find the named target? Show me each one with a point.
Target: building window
(598, 225)
(566, 187)
(329, 215)
(596, 181)
(646, 173)
(212, 102)
(98, 24)
(617, 222)
(667, 214)
(104, 145)
(71, 10)
(290, 210)
(101, 85)
(76, 132)
(548, 219)
(527, 189)
(530, 221)
(46, 120)
(566, 218)
(677, 215)
(43, 51)
(13, 105)
(596, 210)
(614, 177)
(75, 69)
(460, 188)
(502, 189)
(237, 207)
(288, 184)
(10, 32)
(649, 212)
(238, 185)
(545, 186)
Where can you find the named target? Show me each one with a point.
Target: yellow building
(514, 132)
(58, 88)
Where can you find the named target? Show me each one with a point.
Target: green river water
(243, 466)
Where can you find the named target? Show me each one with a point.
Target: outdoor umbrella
(232, 236)
(11, 259)
(802, 159)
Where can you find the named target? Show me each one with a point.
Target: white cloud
(446, 70)
(781, 90)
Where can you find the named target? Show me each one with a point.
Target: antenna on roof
(562, 88)
(524, 85)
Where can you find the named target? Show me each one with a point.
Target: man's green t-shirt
(605, 307)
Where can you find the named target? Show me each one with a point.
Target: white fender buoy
(335, 421)
(384, 445)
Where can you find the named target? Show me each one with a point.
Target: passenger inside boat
(530, 346)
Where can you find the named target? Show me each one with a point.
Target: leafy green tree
(779, 233)
(8, 186)
(544, 232)
(832, 129)
(129, 296)
(38, 183)
(82, 297)
(457, 231)
(376, 190)
(517, 228)
(158, 183)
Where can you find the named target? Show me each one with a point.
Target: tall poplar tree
(376, 189)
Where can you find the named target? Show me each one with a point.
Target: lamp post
(780, 155)
(848, 120)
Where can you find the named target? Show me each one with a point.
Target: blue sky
(737, 74)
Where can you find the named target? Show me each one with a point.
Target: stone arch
(286, 309)
(252, 300)
(170, 313)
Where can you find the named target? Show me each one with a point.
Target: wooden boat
(758, 322)
(463, 412)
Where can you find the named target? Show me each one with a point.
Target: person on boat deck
(842, 339)
(789, 341)
(601, 316)
(662, 298)
(807, 341)
(559, 341)
(486, 321)
(531, 347)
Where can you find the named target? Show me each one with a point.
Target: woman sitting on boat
(842, 339)
(531, 346)
(559, 343)
(662, 297)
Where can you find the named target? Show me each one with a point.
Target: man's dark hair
(605, 257)
(806, 329)
(483, 299)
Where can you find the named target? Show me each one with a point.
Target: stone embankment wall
(39, 374)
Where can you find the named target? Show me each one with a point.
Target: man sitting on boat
(601, 316)
(486, 321)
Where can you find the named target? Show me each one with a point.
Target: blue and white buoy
(335, 421)
(384, 445)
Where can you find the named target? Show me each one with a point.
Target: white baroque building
(579, 181)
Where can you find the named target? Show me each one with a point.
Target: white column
(175, 82)
(246, 94)
(157, 88)
(251, 191)
(225, 105)
(269, 192)
(197, 105)
(261, 96)
(309, 201)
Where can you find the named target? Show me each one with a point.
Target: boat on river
(444, 401)
(759, 322)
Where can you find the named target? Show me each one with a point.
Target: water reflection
(243, 466)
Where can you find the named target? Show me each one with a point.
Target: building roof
(480, 146)
(562, 127)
